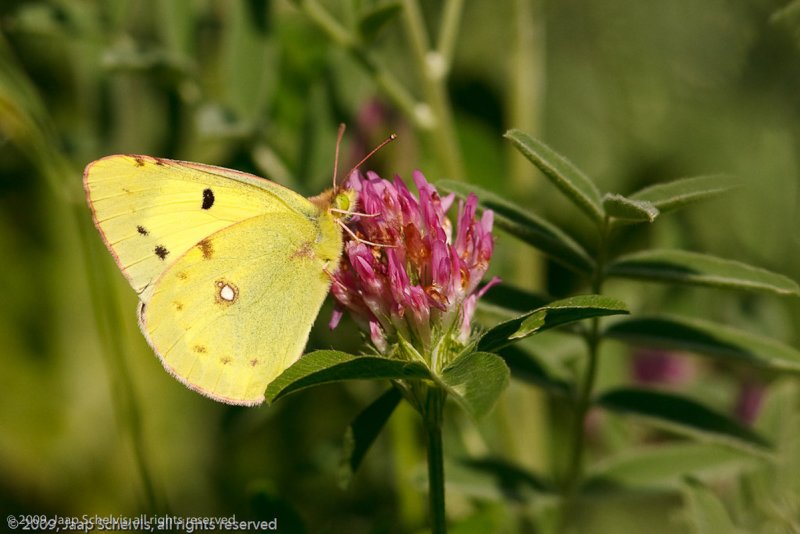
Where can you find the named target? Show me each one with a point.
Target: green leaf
(706, 513)
(683, 267)
(508, 299)
(679, 193)
(564, 175)
(476, 381)
(515, 482)
(527, 227)
(627, 209)
(326, 366)
(665, 465)
(682, 416)
(708, 338)
(361, 433)
(374, 20)
(527, 368)
(550, 316)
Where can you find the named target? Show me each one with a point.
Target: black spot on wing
(142, 230)
(139, 161)
(208, 198)
(161, 251)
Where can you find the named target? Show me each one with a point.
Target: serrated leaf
(626, 209)
(682, 416)
(326, 366)
(665, 465)
(374, 20)
(684, 267)
(564, 175)
(673, 195)
(476, 381)
(527, 227)
(706, 513)
(555, 314)
(707, 338)
(362, 432)
(525, 367)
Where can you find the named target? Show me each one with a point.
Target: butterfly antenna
(339, 137)
(372, 152)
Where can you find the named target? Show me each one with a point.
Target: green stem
(436, 117)
(390, 85)
(584, 397)
(448, 31)
(433, 417)
(581, 409)
(406, 456)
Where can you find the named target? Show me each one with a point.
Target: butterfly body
(231, 269)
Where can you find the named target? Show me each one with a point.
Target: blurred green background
(633, 92)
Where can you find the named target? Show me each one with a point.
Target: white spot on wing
(227, 293)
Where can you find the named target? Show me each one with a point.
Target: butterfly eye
(342, 202)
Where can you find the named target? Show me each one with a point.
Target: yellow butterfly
(231, 269)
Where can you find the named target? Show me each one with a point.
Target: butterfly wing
(235, 310)
(150, 211)
(230, 268)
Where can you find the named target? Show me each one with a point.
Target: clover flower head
(402, 273)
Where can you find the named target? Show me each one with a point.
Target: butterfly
(230, 269)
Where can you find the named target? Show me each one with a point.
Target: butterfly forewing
(150, 211)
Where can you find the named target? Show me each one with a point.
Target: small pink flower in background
(751, 394)
(415, 281)
(656, 366)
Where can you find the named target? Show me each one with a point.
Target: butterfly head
(343, 203)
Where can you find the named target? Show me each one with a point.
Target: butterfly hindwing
(235, 310)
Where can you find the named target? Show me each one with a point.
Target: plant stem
(581, 408)
(433, 70)
(433, 417)
(583, 401)
(390, 85)
(448, 31)
(406, 455)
